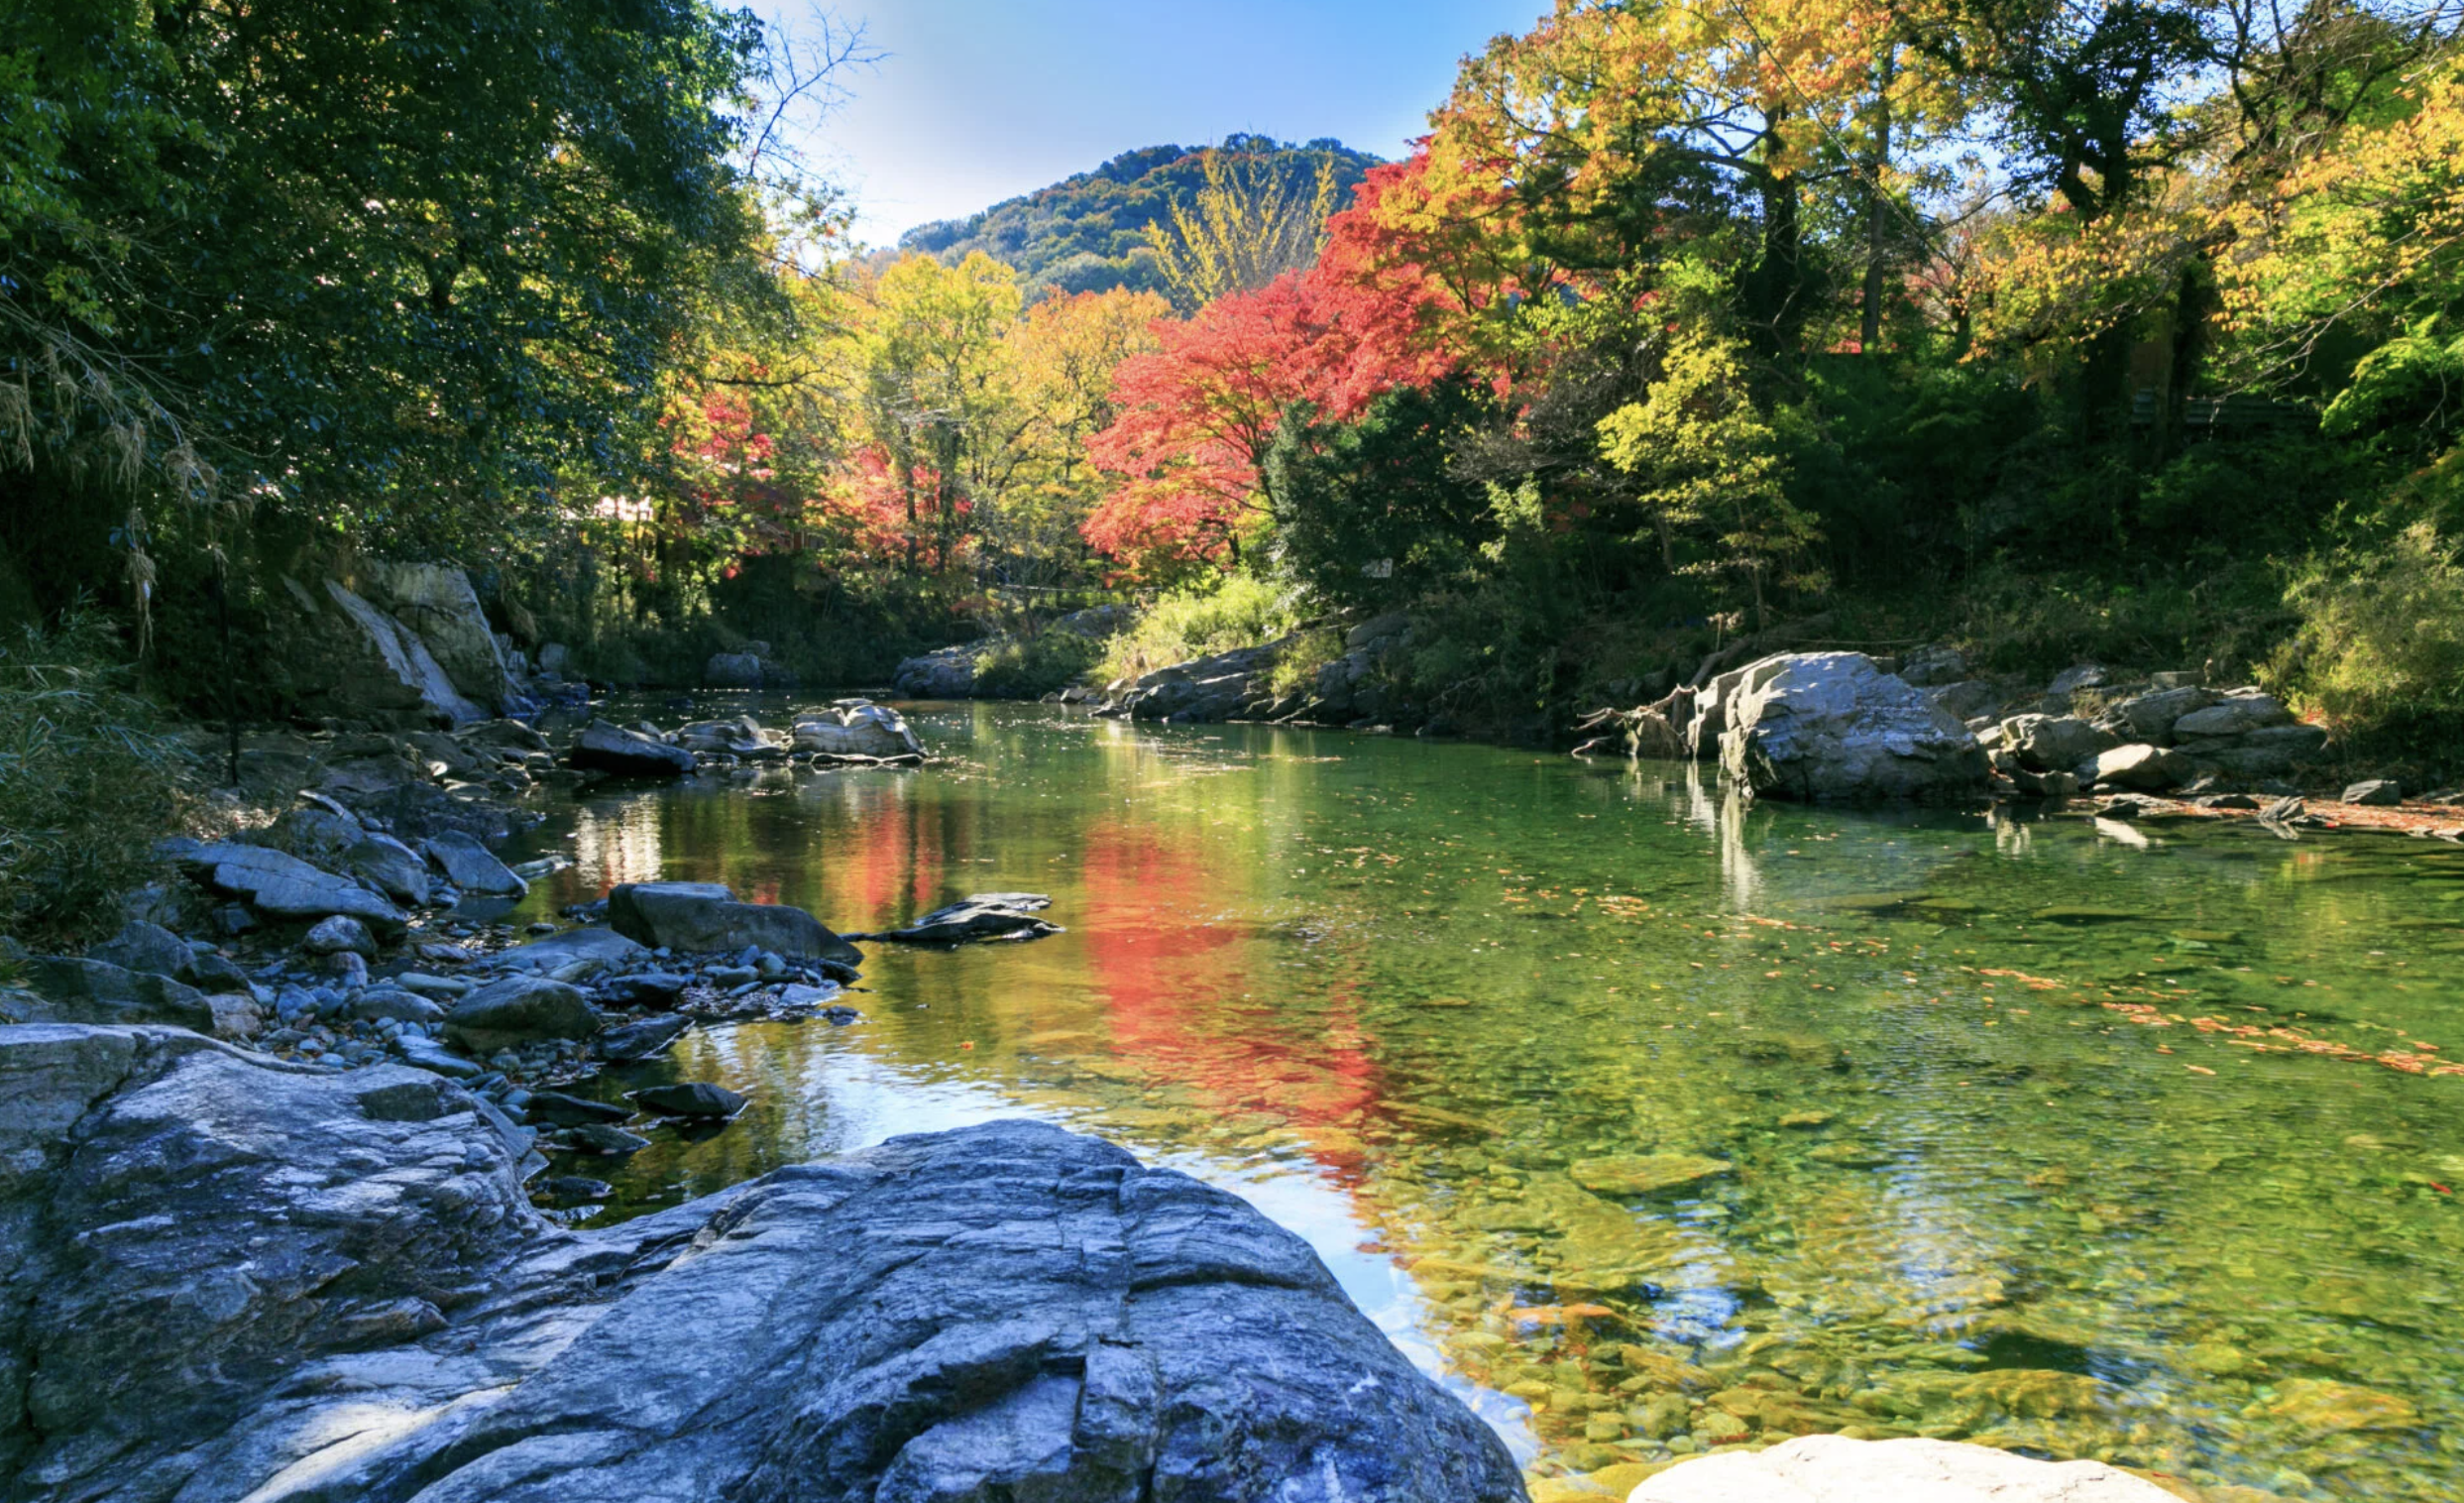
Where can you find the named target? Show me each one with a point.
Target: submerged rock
(705, 918)
(985, 916)
(1006, 1311)
(1647, 1173)
(1837, 1470)
(1833, 725)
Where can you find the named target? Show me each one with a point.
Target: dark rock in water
(2236, 801)
(985, 916)
(471, 867)
(519, 1009)
(697, 1099)
(705, 918)
(2377, 793)
(808, 996)
(572, 1189)
(643, 988)
(1006, 1311)
(558, 1109)
(840, 1018)
(645, 1040)
(604, 748)
(601, 1138)
(2285, 811)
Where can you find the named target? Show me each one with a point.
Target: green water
(2053, 1134)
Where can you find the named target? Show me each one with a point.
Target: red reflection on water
(1173, 974)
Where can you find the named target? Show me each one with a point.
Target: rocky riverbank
(229, 1277)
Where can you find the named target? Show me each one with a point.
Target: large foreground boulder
(704, 918)
(227, 1279)
(610, 749)
(1833, 725)
(1837, 1470)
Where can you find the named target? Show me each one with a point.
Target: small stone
(340, 933)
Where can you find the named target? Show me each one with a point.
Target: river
(1644, 1120)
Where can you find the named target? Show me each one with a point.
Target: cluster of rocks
(223, 1276)
(751, 668)
(1842, 725)
(850, 733)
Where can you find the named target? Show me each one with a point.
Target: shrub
(1030, 667)
(2382, 634)
(1237, 610)
(87, 783)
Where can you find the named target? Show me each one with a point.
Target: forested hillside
(1091, 233)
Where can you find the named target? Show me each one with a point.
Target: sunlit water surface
(2063, 1135)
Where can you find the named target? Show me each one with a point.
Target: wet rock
(572, 1189)
(2377, 793)
(841, 1017)
(602, 1139)
(519, 1009)
(2148, 769)
(574, 954)
(1831, 726)
(470, 867)
(2236, 802)
(2285, 811)
(2323, 1407)
(944, 673)
(333, 936)
(696, 1100)
(1838, 1469)
(1965, 701)
(857, 728)
(391, 868)
(1646, 1174)
(985, 916)
(558, 1109)
(610, 749)
(705, 918)
(644, 1040)
(503, 735)
(733, 670)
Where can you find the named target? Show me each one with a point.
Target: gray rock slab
(471, 867)
(594, 949)
(519, 1009)
(610, 749)
(1831, 726)
(703, 918)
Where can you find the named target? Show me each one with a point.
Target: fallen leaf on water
(2199, 1068)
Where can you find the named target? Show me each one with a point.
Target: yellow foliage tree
(1249, 224)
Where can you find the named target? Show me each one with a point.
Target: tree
(1249, 224)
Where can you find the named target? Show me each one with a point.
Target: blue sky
(981, 100)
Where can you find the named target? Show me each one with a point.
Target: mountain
(1088, 234)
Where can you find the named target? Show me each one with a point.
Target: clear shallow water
(2053, 1134)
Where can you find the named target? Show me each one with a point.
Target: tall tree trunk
(1878, 207)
